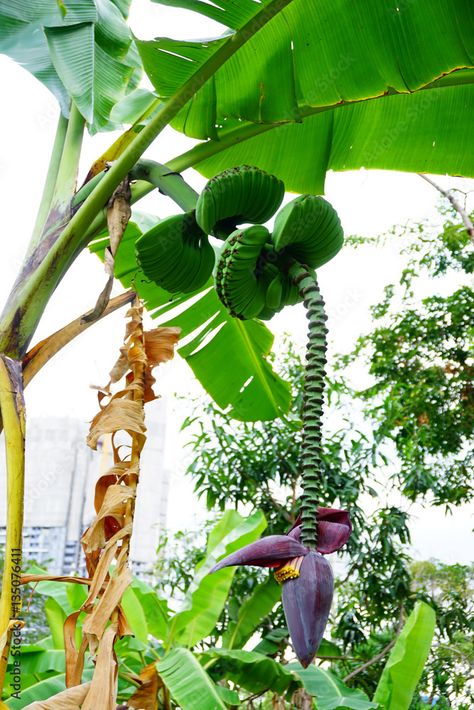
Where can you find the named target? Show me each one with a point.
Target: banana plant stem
(311, 458)
(69, 165)
(175, 187)
(62, 176)
(13, 414)
(48, 191)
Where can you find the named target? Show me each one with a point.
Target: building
(61, 471)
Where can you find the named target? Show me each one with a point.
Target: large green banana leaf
(228, 356)
(207, 594)
(329, 691)
(251, 670)
(154, 609)
(405, 664)
(188, 682)
(84, 52)
(374, 83)
(252, 612)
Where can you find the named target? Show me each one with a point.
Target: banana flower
(305, 574)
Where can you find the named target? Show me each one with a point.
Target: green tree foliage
(421, 357)
(449, 589)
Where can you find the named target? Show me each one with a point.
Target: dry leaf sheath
(106, 543)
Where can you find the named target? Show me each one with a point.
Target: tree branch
(456, 205)
(379, 655)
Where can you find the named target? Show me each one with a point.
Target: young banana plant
(258, 273)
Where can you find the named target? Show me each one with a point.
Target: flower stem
(313, 399)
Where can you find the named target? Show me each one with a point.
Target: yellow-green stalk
(13, 414)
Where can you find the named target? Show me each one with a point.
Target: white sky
(368, 202)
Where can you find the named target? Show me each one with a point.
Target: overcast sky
(368, 202)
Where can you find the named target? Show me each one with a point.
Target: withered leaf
(146, 696)
(70, 699)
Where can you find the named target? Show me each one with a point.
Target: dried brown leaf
(146, 697)
(124, 628)
(70, 699)
(102, 694)
(5, 648)
(113, 475)
(96, 622)
(31, 578)
(113, 507)
(160, 343)
(71, 651)
(103, 566)
(119, 414)
(302, 700)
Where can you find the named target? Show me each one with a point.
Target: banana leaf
(188, 682)
(252, 612)
(405, 664)
(79, 50)
(331, 85)
(251, 670)
(207, 594)
(228, 356)
(329, 691)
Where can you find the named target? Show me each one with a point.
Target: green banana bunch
(238, 196)
(176, 254)
(308, 229)
(252, 276)
(238, 284)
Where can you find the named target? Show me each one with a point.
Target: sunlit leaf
(228, 356)
(188, 682)
(405, 664)
(329, 691)
(385, 85)
(207, 594)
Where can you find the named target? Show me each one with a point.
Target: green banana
(308, 229)
(237, 282)
(274, 293)
(236, 196)
(176, 254)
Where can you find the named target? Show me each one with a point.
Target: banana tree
(295, 88)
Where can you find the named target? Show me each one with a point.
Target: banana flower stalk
(305, 574)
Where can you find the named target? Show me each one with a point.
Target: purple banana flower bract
(271, 551)
(307, 602)
(334, 529)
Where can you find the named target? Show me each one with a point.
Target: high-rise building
(61, 471)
